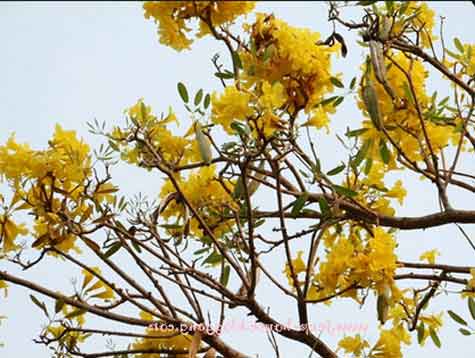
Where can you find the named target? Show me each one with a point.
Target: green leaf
(198, 97)
(471, 306)
(75, 313)
(408, 93)
(344, 191)
(237, 60)
(136, 246)
(336, 82)
(366, 3)
(389, 6)
(404, 7)
(336, 170)
(355, 132)
(182, 92)
(454, 55)
(39, 304)
(241, 128)
(324, 207)
(353, 83)
(213, 259)
(420, 333)
(224, 75)
(456, 318)
(113, 249)
(224, 279)
(384, 152)
(58, 305)
(435, 337)
(326, 101)
(299, 204)
(201, 251)
(361, 155)
(368, 165)
(459, 45)
(338, 101)
(171, 226)
(465, 332)
(207, 101)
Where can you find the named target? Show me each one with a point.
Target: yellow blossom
(430, 256)
(230, 106)
(354, 345)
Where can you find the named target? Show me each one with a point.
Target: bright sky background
(73, 62)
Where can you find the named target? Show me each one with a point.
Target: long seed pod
(203, 143)
(385, 26)
(383, 305)
(377, 60)
(370, 100)
(195, 344)
(210, 353)
(254, 184)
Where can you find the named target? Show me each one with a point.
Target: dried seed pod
(385, 26)
(377, 60)
(383, 305)
(203, 143)
(210, 353)
(195, 344)
(254, 184)
(370, 100)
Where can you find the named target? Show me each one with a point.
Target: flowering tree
(245, 184)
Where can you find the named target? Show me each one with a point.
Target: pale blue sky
(72, 62)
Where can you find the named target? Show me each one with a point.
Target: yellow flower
(273, 96)
(9, 231)
(231, 105)
(318, 118)
(389, 343)
(207, 195)
(298, 265)
(398, 192)
(172, 18)
(430, 256)
(4, 287)
(354, 345)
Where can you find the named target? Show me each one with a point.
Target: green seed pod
(203, 143)
(370, 100)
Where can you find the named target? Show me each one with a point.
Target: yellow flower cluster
(207, 195)
(390, 341)
(175, 150)
(231, 105)
(70, 339)
(44, 181)
(284, 70)
(417, 15)
(173, 18)
(430, 256)
(355, 260)
(9, 231)
(167, 339)
(290, 56)
(98, 289)
(354, 345)
(403, 122)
